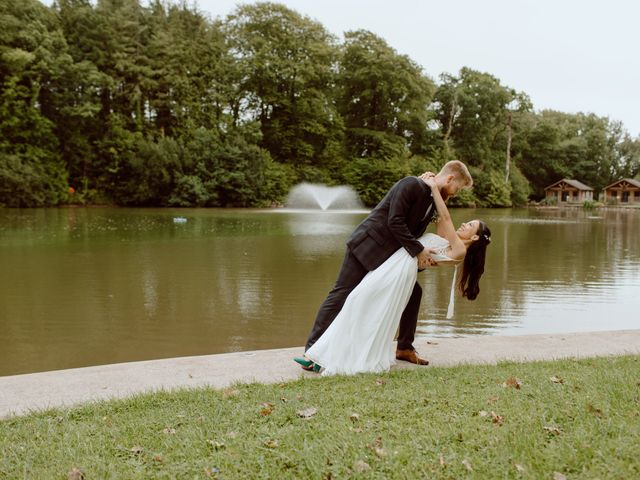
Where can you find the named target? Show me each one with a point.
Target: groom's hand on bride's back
(425, 260)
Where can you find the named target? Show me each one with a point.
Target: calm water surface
(91, 286)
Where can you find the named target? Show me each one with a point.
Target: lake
(88, 286)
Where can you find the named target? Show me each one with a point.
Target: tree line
(159, 105)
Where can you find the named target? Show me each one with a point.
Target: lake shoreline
(632, 206)
(21, 394)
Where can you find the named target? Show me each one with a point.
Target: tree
(476, 115)
(472, 109)
(520, 103)
(286, 74)
(628, 155)
(193, 72)
(153, 103)
(33, 56)
(585, 147)
(383, 97)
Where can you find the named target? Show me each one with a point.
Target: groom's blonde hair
(459, 171)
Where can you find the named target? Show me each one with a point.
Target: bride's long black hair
(473, 265)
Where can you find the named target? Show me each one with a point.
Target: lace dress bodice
(439, 244)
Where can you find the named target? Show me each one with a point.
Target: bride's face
(469, 230)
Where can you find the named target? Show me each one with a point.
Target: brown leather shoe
(411, 356)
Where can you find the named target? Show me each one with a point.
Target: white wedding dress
(360, 339)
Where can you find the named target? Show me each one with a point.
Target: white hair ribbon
(451, 297)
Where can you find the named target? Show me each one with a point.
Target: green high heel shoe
(308, 365)
(304, 362)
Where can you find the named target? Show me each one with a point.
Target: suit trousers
(351, 274)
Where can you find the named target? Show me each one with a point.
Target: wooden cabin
(568, 191)
(626, 190)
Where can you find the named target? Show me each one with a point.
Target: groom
(398, 221)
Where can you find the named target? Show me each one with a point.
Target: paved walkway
(20, 394)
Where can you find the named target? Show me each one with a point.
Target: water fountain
(322, 197)
(320, 217)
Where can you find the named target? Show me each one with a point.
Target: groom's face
(450, 188)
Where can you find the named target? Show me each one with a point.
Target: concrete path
(20, 394)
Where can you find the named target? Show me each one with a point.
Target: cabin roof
(632, 181)
(573, 183)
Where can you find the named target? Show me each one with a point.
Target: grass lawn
(544, 420)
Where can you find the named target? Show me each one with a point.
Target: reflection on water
(320, 232)
(90, 286)
(551, 271)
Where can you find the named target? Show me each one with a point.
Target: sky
(567, 55)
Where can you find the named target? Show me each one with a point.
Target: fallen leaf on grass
(216, 445)
(75, 474)
(553, 430)
(380, 382)
(555, 379)
(354, 417)
(137, 450)
(596, 411)
(467, 464)
(519, 468)
(307, 412)
(158, 458)
(558, 476)
(377, 443)
(267, 409)
(361, 466)
(483, 413)
(169, 431)
(442, 462)
(495, 418)
(512, 382)
(271, 444)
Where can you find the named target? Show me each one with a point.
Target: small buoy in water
(179, 220)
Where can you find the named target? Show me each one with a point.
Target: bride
(360, 339)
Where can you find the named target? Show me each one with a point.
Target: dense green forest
(118, 102)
